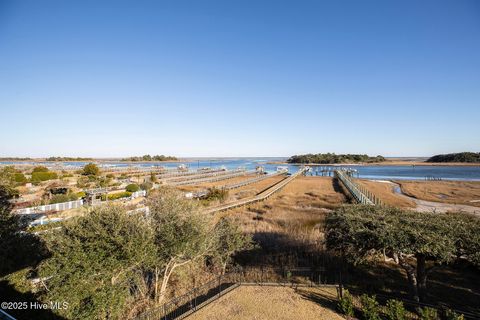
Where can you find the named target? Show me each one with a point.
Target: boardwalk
(259, 197)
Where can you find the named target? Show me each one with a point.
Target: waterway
(378, 172)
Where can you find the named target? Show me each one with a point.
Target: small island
(466, 157)
(332, 158)
(59, 159)
(148, 157)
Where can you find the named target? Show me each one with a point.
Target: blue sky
(239, 78)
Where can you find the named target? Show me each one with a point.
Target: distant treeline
(329, 158)
(148, 157)
(68, 159)
(14, 159)
(456, 157)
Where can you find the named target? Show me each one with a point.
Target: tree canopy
(330, 158)
(148, 157)
(411, 239)
(456, 157)
(109, 262)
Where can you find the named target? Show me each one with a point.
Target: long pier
(359, 193)
(259, 197)
(218, 176)
(202, 193)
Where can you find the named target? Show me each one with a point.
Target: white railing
(51, 207)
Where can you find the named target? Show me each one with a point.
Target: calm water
(369, 172)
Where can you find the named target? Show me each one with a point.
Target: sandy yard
(271, 303)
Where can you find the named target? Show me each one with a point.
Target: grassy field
(455, 192)
(384, 191)
(300, 206)
(272, 303)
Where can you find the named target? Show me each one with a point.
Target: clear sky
(239, 78)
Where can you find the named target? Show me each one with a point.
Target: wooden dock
(259, 197)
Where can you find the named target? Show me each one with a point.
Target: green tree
(230, 241)
(184, 234)
(96, 261)
(414, 241)
(91, 169)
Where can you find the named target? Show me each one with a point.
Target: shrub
(91, 169)
(345, 304)
(116, 196)
(153, 177)
(81, 194)
(146, 186)
(40, 169)
(452, 315)
(59, 198)
(216, 194)
(20, 178)
(370, 308)
(43, 176)
(395, 310)
(132, 187)
(427, 313)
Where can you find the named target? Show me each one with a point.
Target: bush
(132, 187)
(40, 169)
(116, 196)
(91, 169)
(345, 304)
(427, 313)
(153, 177)
(370, 308)
(216, 194)
(452, 315)
(395, 310)
(146, 186)
(59, 198)
(20, 178)
(81, 194)
(43, 176)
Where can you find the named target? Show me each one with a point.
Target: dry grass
(254, 188)
(271, 303)
(454, 192)
(299, 209)
(384, 191)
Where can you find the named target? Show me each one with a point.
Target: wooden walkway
(259, 197)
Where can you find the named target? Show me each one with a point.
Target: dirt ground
(455, 192)
(385, 192)
(271, 303)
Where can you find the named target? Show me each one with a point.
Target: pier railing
(358, 192)
(260, 197)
